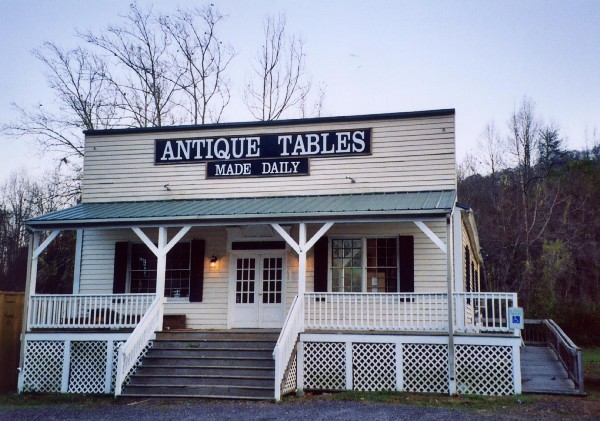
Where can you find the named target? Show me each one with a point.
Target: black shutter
(321, 263)
(406, 252)
(120, 272)
(197, 271)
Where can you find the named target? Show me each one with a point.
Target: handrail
(292, 327)
(567, 352)
(86, 310)
(130, 351)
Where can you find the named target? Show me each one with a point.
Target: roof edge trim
(274, 123)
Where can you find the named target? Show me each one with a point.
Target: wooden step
(222, 361)
(208, 364)
(203, 380)
(183, 370)
(246, 335)
(221, 353)
(213, 344)
(222, 392)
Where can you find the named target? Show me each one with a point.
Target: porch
(409, 245)
(84, 343)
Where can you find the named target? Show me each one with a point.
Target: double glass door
(257, 288)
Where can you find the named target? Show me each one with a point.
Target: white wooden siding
(409, 154)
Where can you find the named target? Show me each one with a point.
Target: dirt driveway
(322, 407)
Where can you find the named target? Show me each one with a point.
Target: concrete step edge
(199, 396)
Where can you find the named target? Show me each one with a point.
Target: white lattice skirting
(72, 363)
(484, 365)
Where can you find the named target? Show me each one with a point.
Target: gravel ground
(241, 411)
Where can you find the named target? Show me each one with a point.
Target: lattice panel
(374, 366)
(115, 357)
(88, 367)
(325, 365)
(290, 384)
(484, 370)
(425, 368)
(43, 365)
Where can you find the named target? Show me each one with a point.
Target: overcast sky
(479, 57)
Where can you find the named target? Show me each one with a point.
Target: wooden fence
(11, 319)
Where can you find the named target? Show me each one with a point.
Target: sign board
(262, 155)
(257, 168)
(516, 319)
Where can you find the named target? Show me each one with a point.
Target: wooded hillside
(539, 225)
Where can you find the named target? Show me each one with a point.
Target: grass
(591, 371)
(432, 400)
(531, 406)
(52, 399)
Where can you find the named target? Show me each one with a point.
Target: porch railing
(292, 327)
(87, 311)
(475, 312)
(377, 311)
(131, 350)
(483, 311)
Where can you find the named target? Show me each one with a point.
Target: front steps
(228, 364)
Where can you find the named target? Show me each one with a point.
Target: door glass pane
(245, 279)
(272, 280)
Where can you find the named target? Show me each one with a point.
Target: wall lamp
(213, 261)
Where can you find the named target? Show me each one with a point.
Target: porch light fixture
(213, 261)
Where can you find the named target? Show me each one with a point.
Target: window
(143, 270)
(364, 265)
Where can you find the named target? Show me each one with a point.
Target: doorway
(257, 290)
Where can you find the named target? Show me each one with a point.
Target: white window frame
(364, 268)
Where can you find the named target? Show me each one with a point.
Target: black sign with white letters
(262, 155)
(257, 168)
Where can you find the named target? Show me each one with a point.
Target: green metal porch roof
(234, 210)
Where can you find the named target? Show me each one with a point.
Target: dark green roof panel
(256, 208)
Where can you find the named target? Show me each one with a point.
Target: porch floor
(405, 333)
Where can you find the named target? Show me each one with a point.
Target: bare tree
(491, 149)
(279, 80)
(202, 60)
(524, 131)
(148, 80)
(85, 101)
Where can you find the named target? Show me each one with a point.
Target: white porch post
(161, 264)
(77, 268)
(161, 256)
(458, 267)
(302, 247)
(161, 268)
(302, 259)
(37, 249)
(451, 350)
(25, 323)
(446, 249)
(34, 263)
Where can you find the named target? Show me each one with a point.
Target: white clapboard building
(257, 259)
